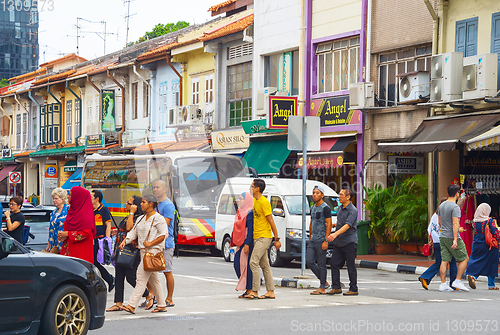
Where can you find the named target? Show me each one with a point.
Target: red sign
(322, 161)
(14, 177)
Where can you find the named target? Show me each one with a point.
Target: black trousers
(104, 273)
(130, 274)
(344, 255)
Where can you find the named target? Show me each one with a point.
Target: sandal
(149, 303)
(159, 310)
(127, 309)
(493, 288)
(114, 308)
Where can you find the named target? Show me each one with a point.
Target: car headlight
(186, 230)
(294, 233)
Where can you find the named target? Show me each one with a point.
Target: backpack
(176, 226)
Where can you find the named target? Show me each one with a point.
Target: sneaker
(472, 282)
(459, 285)
(444, 287)
(424, 282)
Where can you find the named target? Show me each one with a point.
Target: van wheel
(226, 248)
(67, 312)
(274, 256)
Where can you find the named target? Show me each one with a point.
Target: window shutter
(495, 41)
(471, 46)
(460, 37)
(466, 37)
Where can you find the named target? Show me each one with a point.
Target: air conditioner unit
(414, 86)
(361, 95)
(190, 114)
(173, 115)
(262, 101)
(446, 74)
(479, 76)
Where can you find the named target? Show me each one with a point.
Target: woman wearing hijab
(483, 259)
(242, 238)
(79, 227)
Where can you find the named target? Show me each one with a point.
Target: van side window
(227, 204)
(276, 203)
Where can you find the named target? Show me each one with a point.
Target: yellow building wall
(335, 17)
(466, 9)
(197, 64)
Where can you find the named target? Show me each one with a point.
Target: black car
(39, 213)
(47, 293)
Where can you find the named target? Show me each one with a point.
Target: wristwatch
(276, 238)
(130, 213)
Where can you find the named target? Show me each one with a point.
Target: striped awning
(486, 139)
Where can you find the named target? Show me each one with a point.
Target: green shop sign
(95, 141)
(258, 127)
(108, 110)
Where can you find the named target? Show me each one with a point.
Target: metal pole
(304, 197)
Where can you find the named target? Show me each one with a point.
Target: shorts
(460, 253)
(169, 255)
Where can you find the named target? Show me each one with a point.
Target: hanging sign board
(108, 110)
(405, 164)
(335, 111)
(280, 108)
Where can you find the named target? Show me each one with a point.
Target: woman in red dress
(79, 227)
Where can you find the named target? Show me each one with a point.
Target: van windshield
(294, 204)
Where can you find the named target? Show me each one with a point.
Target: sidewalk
(411, 264)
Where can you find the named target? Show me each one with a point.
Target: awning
(4, 173)
(488, 138)
(74, 180)
(58, 152)
(444, 133)
(266, 157)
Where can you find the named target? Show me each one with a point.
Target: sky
(58, 19)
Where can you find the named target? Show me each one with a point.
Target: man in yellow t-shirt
(263, 231)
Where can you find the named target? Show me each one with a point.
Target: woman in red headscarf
(242, 238)
(79, 227)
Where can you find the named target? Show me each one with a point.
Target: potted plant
(376, 201)
(407, 214)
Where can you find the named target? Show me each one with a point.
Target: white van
(285, 196)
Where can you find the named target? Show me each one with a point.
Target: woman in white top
(154, 225)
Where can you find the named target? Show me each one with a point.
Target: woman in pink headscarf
(79, 227)
(483, 260)
(242, 238)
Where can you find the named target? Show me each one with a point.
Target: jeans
(491, 281)
(344, 255)
(434, 268)
(316, 261)
(104, 273)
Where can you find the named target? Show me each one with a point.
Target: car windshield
(294, 204)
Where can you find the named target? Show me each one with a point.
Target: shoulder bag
(127, 256)
(153, 262)
(490, 240)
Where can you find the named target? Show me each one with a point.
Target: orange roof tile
(192, 144)
(164, 49)
(12, 91)
(54, 77)
(153, 148)
(223, 4)
(101, 69)
(29, 74)
(83, 70)
(59, 60)
(230, 28)
(23, 154)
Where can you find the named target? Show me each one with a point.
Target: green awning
(7, 160)
(58, 152)
(266, 157)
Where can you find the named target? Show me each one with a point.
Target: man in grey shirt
(451, 243)
(320, 227)
(345, 245)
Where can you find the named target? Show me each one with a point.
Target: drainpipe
(431, 193)
(17, 100)
(80, 126)
(368, 40)
(11, 123)
(180, 78)
(39, 107)
(120, 134)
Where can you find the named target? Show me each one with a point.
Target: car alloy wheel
(71, 315)
(226, 249)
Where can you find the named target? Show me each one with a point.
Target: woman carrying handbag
(127, 268)
(150, 231)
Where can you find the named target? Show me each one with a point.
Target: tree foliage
(161, 29)
(4, 82)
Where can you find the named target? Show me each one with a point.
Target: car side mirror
(8, 245)
(278, 212)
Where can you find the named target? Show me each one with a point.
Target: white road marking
(311, 305)
(337, 304)
(197, 312)
(284, 307)
(460, 299)
(483, 299)
(209, 280)
(226, 310)
(255, 309)
(437, 300)
(414, 301)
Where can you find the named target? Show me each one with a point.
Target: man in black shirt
(15, 219)
(103, 229)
